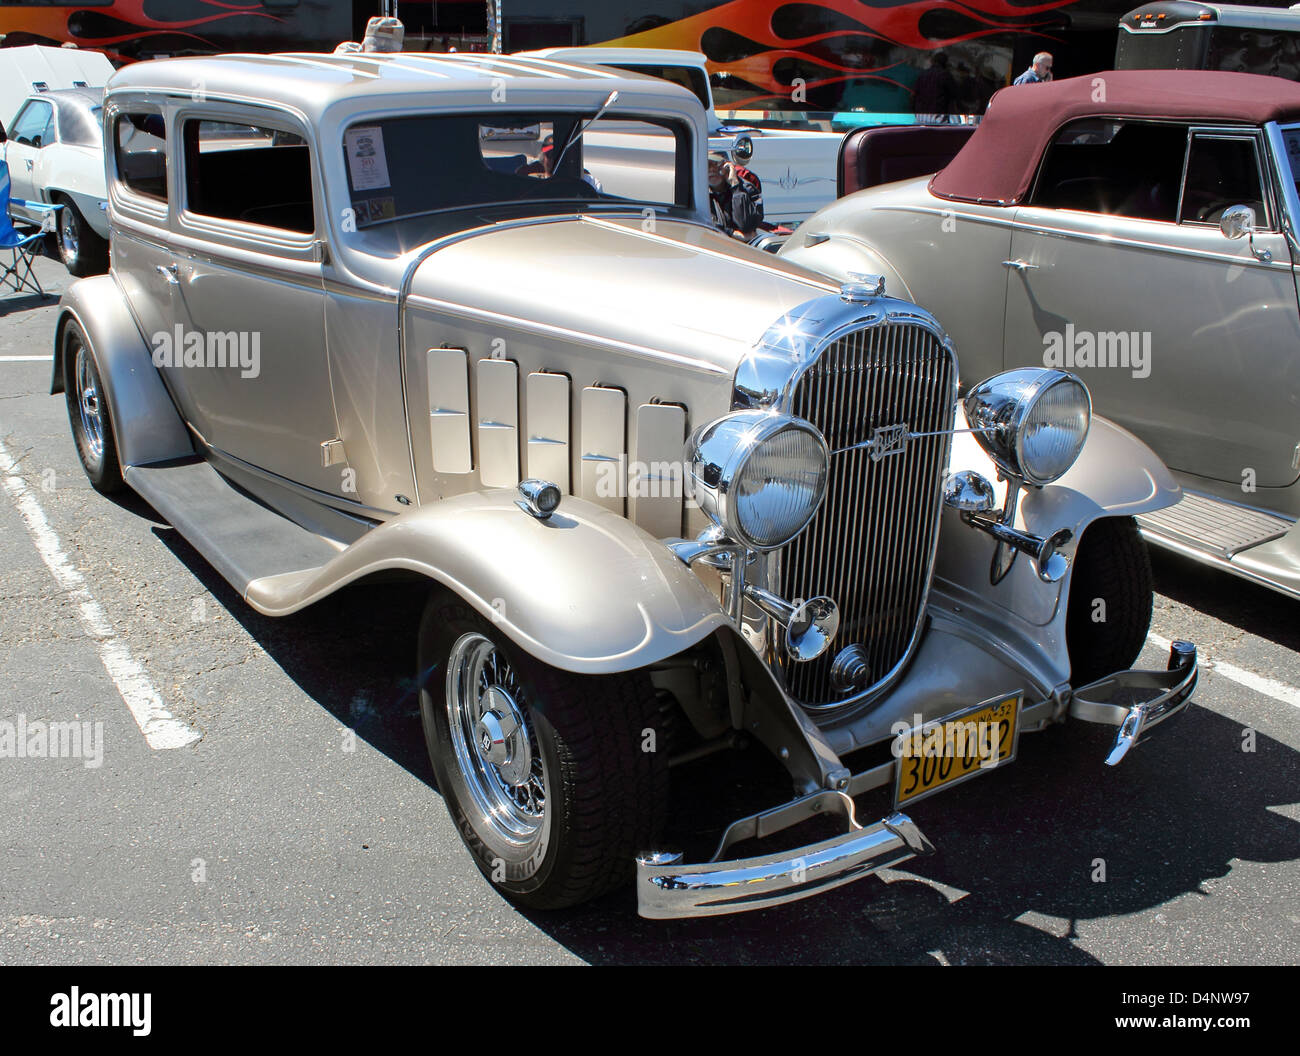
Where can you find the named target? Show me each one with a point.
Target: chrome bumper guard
(668, 889)
(1111, 700)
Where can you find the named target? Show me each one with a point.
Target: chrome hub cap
(503, 737)
(89, 406)
(68, 233)
(496, 751)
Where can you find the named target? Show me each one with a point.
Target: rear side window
(141, 150)
(249, 173)
(1118, 168)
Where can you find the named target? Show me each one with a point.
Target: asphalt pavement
(296, 820)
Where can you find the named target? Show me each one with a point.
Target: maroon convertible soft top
(998, 163)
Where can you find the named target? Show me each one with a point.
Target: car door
(249, 333)
(32, 129)
(140, 192)
(1118, 270)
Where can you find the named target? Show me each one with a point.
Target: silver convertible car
(1138, 228)
(376, 317)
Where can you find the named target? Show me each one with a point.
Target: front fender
(585, 591)
(1116, 475)
(841, 257)
(146, 424)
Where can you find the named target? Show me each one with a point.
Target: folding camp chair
(17, 274)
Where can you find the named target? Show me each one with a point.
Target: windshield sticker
(367, 164)
(372, 210)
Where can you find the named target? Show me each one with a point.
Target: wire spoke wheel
(495, 746)
(90, 406)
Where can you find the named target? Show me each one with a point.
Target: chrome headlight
(760, 476)
(1034, 421)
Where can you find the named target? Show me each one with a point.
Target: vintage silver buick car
(667, 491)
(1140, 229)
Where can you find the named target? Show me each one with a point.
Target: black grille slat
(870, 547)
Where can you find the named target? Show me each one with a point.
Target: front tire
(1111, 591)
(82, 250)
(544, 772)
(92, 429)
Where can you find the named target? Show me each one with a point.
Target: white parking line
(1270, 687)
(160, 728)
(26, 359)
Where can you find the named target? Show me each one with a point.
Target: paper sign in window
(367, 164)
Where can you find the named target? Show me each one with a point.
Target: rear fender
(146, 424)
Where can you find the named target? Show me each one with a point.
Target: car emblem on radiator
(886, 440)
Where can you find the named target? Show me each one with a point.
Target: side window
(1222, 170)
(32, 126)
(141, 142)
(1117, 168)
(248, 173)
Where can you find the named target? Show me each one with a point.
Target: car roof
(632, 56)
(314, 81)
(998, 162)
(87, 97)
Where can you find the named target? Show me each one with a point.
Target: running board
(236, 534)
(1212, 526)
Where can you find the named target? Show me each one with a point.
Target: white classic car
(666, 492)
(797, 166)
(55, 152)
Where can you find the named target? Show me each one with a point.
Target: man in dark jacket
(735, 198)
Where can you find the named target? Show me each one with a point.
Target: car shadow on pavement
(1245, 605)
(1023, 854)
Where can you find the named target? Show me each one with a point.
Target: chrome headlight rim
(718, 454)
(998, 408)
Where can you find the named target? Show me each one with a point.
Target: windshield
(1291, 140)
(407, 167)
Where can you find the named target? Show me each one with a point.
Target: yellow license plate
(946, 752)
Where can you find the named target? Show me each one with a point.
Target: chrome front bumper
(667, 888)
(1138, 701)
(1135, 701)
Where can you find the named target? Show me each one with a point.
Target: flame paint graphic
(752, 24)
(124, 22)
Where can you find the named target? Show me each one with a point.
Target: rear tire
(92, 428)
(81, 248)
(555, 813)
(1109, 610)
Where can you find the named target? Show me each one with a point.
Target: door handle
(168, 272)
(30, 164)
(1019, 265)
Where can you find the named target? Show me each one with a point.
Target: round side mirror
(1237, 221)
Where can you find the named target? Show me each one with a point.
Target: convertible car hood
(681, 288)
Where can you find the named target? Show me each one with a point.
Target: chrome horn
(971, 495)
(810, 626)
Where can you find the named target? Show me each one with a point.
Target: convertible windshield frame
(1288, 172)
(562, 119)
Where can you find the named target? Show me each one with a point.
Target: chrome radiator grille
(870, 547)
